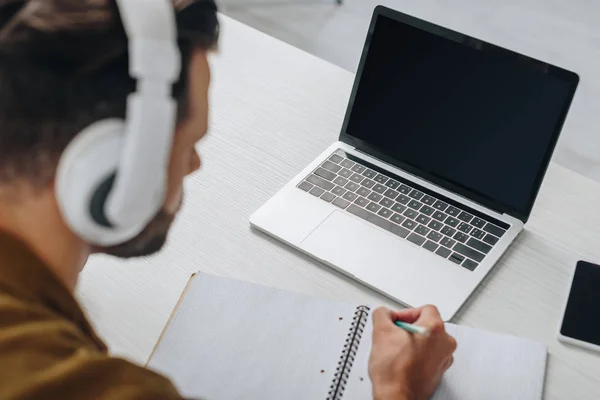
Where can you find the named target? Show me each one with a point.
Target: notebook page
(487, 365)
(236, 340)
(493, 366)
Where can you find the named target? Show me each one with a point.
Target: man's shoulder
(45, 355)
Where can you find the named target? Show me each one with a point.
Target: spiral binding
(342, 372)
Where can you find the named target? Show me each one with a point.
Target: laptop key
(428, 200)
(412, 214)
(399, 208)
(453, 222)
(436, 225)
(392, 184)
(402, 199)
(373, 207)
(351, 186)
(427, 210)
(369, 173)
(357, 178)
(478, 222)
(323, 173)
(385, 213)
(358, 168)
(328, 197)
(374, 197)
(470, 264)
(361, 201)
(341, 181)
(478, 245)
(350, 196)
(404, 189)
(316, 191)
(329, 166)
(422, 230)
(362, 191)
(391, 193)
(453, 211)
(379, 188)
(464, 216)
(347, 163)
(440, 205)
(431, 246)
(494, 230)
(338, 191)
(367, 183)
(381, 178)
(380, 222)
(456, 258)
(336, 158)
(386, 202)
(440, 216)
(446, 230)
(490, 239)
(414, 204)
(464, 227)
(341, 203)
(434, 236)
(446, 241)
(468, 252)
(442, 251)
(346, 173)
(423, 219)
(305, 186)
(415, 194)
(477, 233)
(461, 237)
(416, 239)
(320, 182)
(397, 218)
(409, 224)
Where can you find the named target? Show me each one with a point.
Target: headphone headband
(155, 62)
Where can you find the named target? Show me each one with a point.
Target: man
(63, 66)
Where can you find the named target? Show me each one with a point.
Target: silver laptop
(442, 152)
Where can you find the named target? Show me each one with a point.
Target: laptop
(444, 146)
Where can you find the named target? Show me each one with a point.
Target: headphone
(111, 180)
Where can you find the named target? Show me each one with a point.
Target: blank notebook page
(235, 340)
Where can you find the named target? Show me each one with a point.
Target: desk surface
(275, 109)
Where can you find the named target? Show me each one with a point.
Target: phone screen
(582, 314)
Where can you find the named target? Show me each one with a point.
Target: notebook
(229, 339)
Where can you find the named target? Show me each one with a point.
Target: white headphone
(112, 178)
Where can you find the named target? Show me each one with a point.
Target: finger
(448, 364)
(430, 318)
(409, 315)
(382, 317)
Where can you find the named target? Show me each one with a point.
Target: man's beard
(149, 241)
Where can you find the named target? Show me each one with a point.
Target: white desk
(274, 109)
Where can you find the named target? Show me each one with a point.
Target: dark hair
(63, 66)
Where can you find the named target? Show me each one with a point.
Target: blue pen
(419, 330)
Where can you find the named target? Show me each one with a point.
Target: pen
(413, 328)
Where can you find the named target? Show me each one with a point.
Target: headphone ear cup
(84, 177)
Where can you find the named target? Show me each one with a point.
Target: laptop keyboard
(420, 218)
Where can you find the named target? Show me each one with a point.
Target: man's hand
(405, 366)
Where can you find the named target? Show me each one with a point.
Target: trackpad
(384, 261)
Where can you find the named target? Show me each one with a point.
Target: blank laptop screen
(468, 113)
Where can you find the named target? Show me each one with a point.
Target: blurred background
(562, 32)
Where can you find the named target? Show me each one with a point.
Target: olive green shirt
(48, 350)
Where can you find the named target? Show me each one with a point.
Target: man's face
(184, 161)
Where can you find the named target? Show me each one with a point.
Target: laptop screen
(465, 114)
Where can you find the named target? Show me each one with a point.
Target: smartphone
(580, 325)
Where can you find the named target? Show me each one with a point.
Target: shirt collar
(26, 277)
